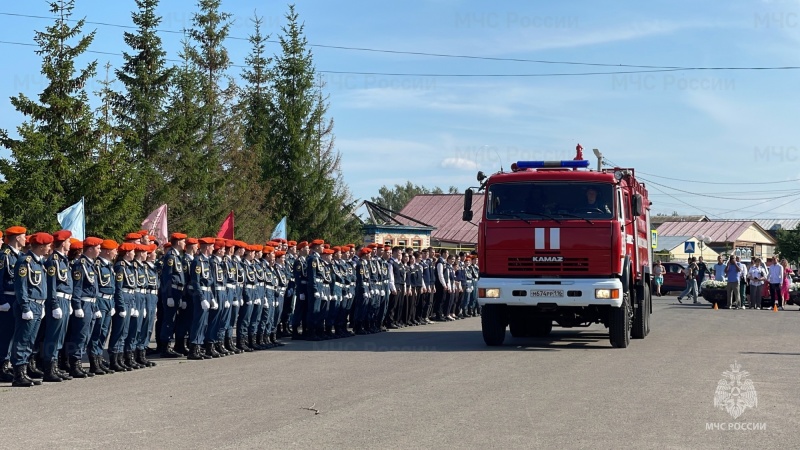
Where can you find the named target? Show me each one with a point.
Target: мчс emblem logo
(735, 393)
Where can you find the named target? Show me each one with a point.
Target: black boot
(76, 368)
(94, 367)
(242, 344)
(6, 372)
(296, 336)
(220, 349)
(230, 347)
(180, 347)
(252, 342)
(33, 371)
(104, 364)
(129, 361)
(50, 375)
(21, 377)
(120, 362)
(210, 351)
(113, 363)
(194, 353)
(140, 356)
(168, 352)
(274, 338)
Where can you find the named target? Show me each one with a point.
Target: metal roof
(443, 211)
(717, 231)
(785, 224)
(661, 219)
(669, 243)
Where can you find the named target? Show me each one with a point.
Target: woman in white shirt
(756, 277)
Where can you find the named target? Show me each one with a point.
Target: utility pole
(599, 159)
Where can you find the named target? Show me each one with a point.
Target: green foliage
(789, 244)
(58, 142)
(397, 198)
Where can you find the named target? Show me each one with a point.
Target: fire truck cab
(559, 243)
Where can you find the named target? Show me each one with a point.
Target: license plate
(547, 293)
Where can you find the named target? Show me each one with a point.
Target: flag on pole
(226, 229)
(280, 230)
(156, 224)
(74, 220)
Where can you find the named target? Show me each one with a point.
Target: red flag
(226, 229)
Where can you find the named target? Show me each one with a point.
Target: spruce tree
(139, 109)
(57, 141)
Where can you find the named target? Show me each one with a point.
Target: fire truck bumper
(559, 292)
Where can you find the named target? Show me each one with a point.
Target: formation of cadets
(64, 299)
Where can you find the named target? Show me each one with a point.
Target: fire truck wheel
(640, 315)
(518, 327)
(494, 319)
(619, 324)
(540, 327)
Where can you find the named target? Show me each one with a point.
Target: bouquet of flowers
(713, 284)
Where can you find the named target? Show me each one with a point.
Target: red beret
(279, 253)
(192, 241)
(268, 249)
(365, 251)
(143, 232)
(302, 245)
(177, 236)
(292, 244)
(41, 239)
(133, 236)
(108, 244)
(207, 240)
(127, 247)
(336, 249)
(151, 248)
(318, 242)
(16, 230)
(140, 247)
(327, 251)
(167, 245)
(92, 241)
(230, 243)
(257, 248)
(76, 244)
(61, 236)
(151, 237)
(387, 248)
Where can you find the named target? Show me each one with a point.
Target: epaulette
(55, 256)
(6, 250)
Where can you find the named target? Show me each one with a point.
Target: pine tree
(57, 142)
(210, 57)
(139, 109)
(184, 178)
(302, 159)
(112, 184)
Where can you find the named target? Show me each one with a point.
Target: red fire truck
(561, 243)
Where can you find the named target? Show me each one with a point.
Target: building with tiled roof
(443, 212)
(745, 238)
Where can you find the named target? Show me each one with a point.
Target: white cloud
(459, 163)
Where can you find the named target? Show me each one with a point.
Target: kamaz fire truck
(560, 243)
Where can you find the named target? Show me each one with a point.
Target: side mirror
(637, 205)
(467, 216)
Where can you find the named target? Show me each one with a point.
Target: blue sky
(733, 127)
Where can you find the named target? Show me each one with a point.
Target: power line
(795, 192)
(715, 182)
(651, 68)
(687, 204)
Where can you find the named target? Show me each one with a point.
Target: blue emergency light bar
(542, 164)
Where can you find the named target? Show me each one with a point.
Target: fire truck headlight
(489, 293)
(606, 293)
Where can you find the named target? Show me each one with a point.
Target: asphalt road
(438, 386)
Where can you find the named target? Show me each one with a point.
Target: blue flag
(73, 219)
(280, 230)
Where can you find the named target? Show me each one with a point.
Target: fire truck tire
(518, 327)
(619, 324)
(640, 315)
(494, 319)
(540, 327)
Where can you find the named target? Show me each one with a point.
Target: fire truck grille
(567, 265)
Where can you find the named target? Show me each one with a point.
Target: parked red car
(673, 277)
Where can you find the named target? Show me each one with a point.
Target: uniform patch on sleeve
(23, 271)
(51, 271)
(170, 262)
(198, 269)
(119, 276)
(76, 275)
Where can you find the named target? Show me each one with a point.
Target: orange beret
(257, 248)
(218, 245)
(152, 248)
(372, 245)
(387, 248)
(279, 253)
(167, 245)
(61, 236)
(76, 244)
(143, 232)
(365, 251)
(108, 244)
(151, 237)
(16, 230)
(41, 239)
(207, 241)
(127, 247)
(327, 251)
(230, 243)
(336, 249)
(140, 247)
(133, 236)
(302, 244)
(318, 242)
(92, 241)
(268, 249)
(351, 245)
(327, 245)
(178, 236)
(292, 243)
(192, 241)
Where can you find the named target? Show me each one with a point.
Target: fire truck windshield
(572, 200)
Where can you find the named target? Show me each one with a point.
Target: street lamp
(599, 159)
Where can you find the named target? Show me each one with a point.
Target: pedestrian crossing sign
(688, 247)
(654, 239)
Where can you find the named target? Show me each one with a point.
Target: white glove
(302, 296)
(383, 292)
(57, 313)
(250, 303)
(134, 313)
(98, 315)
(205, 305)
(112, 312)
(27, 315)
(79, 313)
(144, 314)
(170, 303)
(123, 313)
(214, 304)
(316, 294)
(70, 310)
(183, 305)
(257, 302)
(42, 314)
(5, 307)
(227, 304)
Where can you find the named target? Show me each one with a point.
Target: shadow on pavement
(771, 353)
